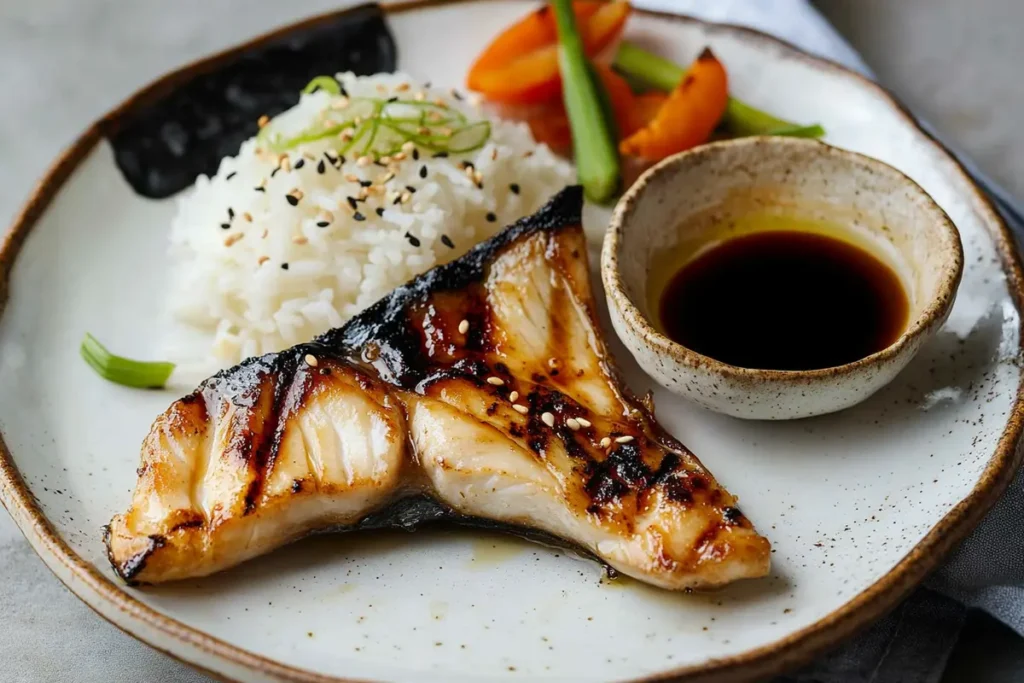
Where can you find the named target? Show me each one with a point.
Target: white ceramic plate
(858, 506)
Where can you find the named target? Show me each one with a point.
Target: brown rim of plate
(934, 312)
(782, 655)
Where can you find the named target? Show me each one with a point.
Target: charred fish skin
(483, 385)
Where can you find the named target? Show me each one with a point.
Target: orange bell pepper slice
(550, 124)
(521, 65)
(688, 116)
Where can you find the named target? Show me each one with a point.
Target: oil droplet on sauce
(784, 300)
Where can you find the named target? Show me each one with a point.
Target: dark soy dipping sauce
(785, 300)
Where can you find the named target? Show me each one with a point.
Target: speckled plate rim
(228, 662)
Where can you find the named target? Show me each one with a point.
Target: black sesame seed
(491, 217)
(413, 240)
(415, 155)
(322, 224)
(274, 172)
(380, 210)
(340, 159)
(423, 171)
(231, 213)
(327, 155)
(358, 216)
(514, 187)
(441, 155)
(447, 241)
(365, 183)
(467, 164)
(292, 199)
(427, 84)
(352, 203)
(284, 266)
(343, 91)
(410, 188)
(456, 94)
(260, 189)
(320, 167)
(392, 99)
(380, 163)
(231, 175)
(225, 226)
(398, 200)
(300, 163)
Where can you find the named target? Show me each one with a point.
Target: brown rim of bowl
(782, 655)
(934, 312)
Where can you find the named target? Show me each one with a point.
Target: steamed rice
(256, 271)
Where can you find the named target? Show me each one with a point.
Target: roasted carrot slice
(521, 65)
(688, 116)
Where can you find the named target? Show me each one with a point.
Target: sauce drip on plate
(784, 300)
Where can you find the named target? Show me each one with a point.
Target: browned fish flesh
(480, 392)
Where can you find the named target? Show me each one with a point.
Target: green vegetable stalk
(597, 158)
(740, 118)
(120, 370)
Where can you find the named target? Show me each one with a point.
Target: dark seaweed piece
(162, 143)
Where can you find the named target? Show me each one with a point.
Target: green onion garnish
(120, 370)
(740, 118)
(379, 127)
(325, 83)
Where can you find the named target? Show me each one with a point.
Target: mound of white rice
(256, 270)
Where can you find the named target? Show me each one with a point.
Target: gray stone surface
(957, 63)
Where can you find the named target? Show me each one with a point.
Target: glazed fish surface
(480, 392)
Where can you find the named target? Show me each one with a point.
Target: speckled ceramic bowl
(713, 193)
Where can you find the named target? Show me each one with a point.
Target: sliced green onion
(325, 83)
(597, 158)
(385, 125)
(120, 370)
(740, 118)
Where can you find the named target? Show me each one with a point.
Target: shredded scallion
(379, 127)
(120, 370)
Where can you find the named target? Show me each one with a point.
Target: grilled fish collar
(483, 386)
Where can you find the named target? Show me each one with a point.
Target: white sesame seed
(495, 381)
(263, 120)
(364, 160)
(398, 157)
(583, 422)
(247, 216)
(606, 442)
(552, 362)
(408, 146)
(405, 197)
(420, 96)
(401, 87)
(311, 360)
(513, 397)
(572, 423)
(464, 327)
(261, 260)
(300, 239)
(231, 239)
(286, 164)
(623, 439)
(548, 419)
(521, 409)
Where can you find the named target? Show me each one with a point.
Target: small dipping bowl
(700, 198)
